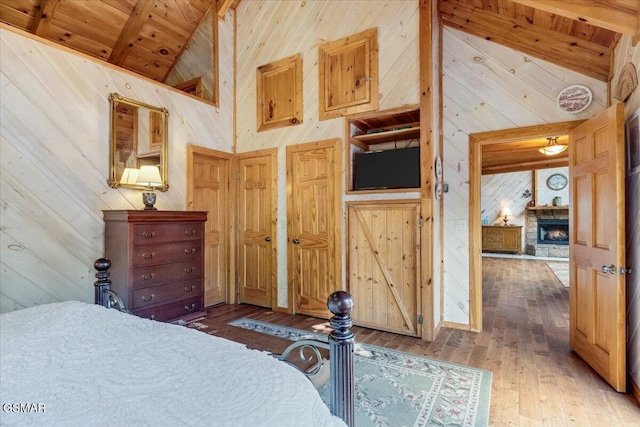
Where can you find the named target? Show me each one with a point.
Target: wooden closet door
(208, 190)
(384, 265)
(313, 225)
(257, 276)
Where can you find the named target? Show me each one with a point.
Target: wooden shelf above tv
(389, 135)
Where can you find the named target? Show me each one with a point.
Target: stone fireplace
(547, 231)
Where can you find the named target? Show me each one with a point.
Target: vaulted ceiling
(142, 36)
(580, 35)
(148, 36)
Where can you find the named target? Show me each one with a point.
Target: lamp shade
(149, 176)
(553, 147)
(129, 176)
(506, 212)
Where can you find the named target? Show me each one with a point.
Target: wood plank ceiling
(143, 36)
(576, 34)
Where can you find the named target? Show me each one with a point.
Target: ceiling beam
(139, 16)
(43, 16)
(569, 52)
(525, 166)
(223, 6)
(597, 13)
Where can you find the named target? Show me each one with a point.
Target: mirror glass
(139, 134)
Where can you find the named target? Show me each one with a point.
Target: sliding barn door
(257, 228)
(208, 190)
(313, 225)
(384, 265)
(597, 251)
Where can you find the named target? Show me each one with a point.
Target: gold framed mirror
(138, 137)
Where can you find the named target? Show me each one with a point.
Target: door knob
(267, 239)
(296, 241)
(611, 269)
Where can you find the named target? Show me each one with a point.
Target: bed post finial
(341, 343)
(103, 283)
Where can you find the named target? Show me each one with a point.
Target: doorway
(488, 141)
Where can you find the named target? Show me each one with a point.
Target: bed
(79, 364)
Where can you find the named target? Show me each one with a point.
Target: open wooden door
(597, 251)
(256, 194)
(313, 225)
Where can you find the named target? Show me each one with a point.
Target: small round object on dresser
(557, 181)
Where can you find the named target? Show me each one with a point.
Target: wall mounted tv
(398, 168)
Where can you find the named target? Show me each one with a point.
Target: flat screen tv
(398, 168)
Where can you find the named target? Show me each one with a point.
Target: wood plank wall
(272, 30)
(54, 134)
(626, 52)
(489, 87)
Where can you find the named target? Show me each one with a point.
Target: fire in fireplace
(553, 231)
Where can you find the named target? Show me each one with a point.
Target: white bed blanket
(90, 366)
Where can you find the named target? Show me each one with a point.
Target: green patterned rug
(400, 389)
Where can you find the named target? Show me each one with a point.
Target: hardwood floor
(537, 379)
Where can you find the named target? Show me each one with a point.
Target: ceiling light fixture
(553, 147)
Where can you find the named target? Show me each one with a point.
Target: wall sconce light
(506, 213)
(149, 176)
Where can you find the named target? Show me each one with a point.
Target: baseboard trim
(635, 390)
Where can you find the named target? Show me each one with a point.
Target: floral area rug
(400, 389)
(561, 271)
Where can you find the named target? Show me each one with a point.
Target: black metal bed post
(341, 343)
(103, 283)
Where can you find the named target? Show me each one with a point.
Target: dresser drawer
(166, 232)
(172, 310)
(168, 292)
(167, 252)
(143, 277)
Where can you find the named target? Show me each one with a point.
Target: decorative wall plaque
(574, 99)
(627, 82)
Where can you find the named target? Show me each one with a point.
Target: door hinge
(420, 222)
(420, 319)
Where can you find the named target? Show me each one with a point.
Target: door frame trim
(273, 159)
(476, 142)
(193, 150)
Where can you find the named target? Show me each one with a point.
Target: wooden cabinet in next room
(157, 262)
(499, 238)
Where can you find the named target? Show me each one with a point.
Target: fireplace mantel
(539, 210)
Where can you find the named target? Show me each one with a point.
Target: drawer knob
(148, 276)
(148, 255)
(190, 251)
(148, 234)
(193, 307)
(189, 289)
(147, 299)
(190, 232)
(189, 269)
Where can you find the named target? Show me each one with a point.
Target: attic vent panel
(348, 72)
(279, 93)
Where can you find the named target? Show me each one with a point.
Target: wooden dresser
(157, 262)
(500, 238)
